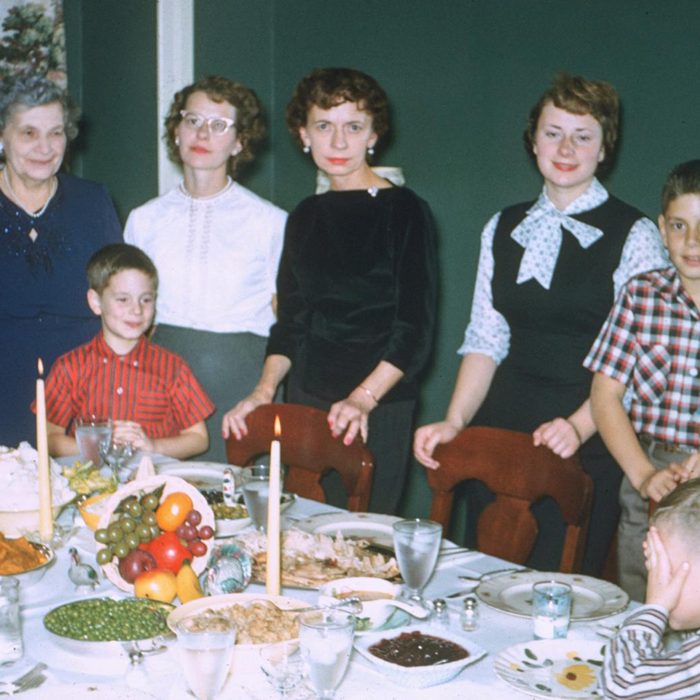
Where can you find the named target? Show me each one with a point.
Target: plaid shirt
(651, 344)
(150, 385)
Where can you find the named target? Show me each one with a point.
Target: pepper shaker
(470, 614)
(11, 647)
(441, 613)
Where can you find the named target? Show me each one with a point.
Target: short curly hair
(250, 125)
(330, 87)
(577, 95)
(28, 91)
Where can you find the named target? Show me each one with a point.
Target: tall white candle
(42, 448)
(272, 579)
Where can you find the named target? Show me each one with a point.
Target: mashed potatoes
(19, 482)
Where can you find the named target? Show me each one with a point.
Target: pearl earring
(370, 151)
(307, 149)
(177, 140)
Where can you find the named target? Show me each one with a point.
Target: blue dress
(43, 287)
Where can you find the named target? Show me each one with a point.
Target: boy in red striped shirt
(154, 400)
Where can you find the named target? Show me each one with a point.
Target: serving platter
(202, 475)
(592, 598)
(374, 527)
(553, 668)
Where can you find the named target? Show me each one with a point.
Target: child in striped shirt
(637, 663)
(154, 400)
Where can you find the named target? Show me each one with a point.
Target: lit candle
(273, 517)
(42, 448)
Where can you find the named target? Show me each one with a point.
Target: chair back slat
(309, 451)
(519, 475)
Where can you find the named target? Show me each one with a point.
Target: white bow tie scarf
(540, 233)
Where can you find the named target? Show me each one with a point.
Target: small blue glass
(551, 609)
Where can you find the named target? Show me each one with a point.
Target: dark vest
(552, 330)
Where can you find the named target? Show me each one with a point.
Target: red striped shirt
(150, 385)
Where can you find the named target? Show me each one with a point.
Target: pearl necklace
(15, 198)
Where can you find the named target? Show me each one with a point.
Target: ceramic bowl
(15, 523)
(373, 592)
(35, 574)
(419, 676)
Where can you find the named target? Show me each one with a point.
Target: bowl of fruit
(153, 538)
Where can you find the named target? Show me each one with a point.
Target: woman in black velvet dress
(356, 284)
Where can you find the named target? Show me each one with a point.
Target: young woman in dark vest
(548, 273)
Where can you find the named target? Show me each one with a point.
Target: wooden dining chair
(308, 450)
(519, 475)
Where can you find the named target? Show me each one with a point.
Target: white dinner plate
(592, 597)
(202, 475)
(553, 668)
(86, 691)
(375, 527)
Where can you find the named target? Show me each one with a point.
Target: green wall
(462, 76)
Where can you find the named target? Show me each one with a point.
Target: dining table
(114, 676)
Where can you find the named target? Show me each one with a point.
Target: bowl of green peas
(110, 625)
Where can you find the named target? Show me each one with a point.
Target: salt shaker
(11, 647)
(470, 614)
(229, 487)
(441, 614)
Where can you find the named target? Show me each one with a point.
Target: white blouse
(217, 257)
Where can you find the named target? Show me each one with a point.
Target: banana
(187, 584)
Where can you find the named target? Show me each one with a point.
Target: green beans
(106, 620)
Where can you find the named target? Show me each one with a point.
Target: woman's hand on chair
(427, 438)
(559, 435)
(233, 422)
(351, 416)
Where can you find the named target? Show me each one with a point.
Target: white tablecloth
(160, 677)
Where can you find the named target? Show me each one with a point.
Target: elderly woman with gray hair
(50, 225)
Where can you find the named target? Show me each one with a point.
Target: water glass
(206, 651)
(326, 644)
(417, 545)
(117, 456)
(551, 609)
(11, 647)
(94, 436)
(281, 664)
(255, 486)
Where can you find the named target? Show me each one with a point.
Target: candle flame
(40, 367)
(278, 427)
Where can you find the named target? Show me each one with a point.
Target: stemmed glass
(206, 653)
(117, 455)
(417, 545)
(281, 664)
(326, 644)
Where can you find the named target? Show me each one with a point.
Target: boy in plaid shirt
(646, 392)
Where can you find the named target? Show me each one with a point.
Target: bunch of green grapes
(135, 523)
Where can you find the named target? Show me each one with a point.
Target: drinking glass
(206, 651)
(117, 455)
(551, 609)
(94, 435)
(417, 544)
(326, 644)
(255, 486)
(281, 664)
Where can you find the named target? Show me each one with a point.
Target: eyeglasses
(216, 125)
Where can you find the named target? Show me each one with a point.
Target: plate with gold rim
(592, 598)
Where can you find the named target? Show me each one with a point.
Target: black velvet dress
(357, 285)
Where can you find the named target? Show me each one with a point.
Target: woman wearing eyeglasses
(216, 244)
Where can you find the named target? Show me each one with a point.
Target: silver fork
(32, 679)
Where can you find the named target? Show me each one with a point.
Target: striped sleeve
(637, 665)
(190, 402)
